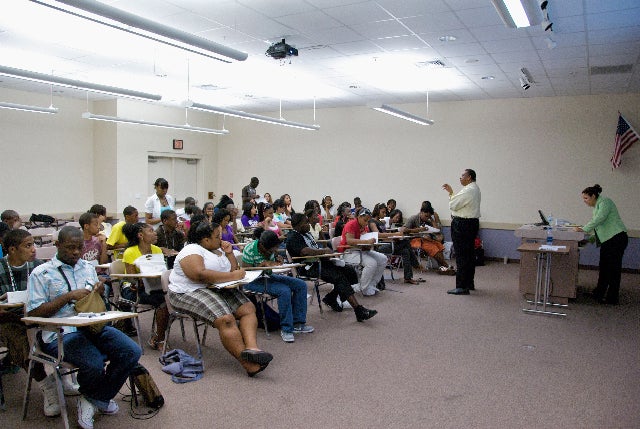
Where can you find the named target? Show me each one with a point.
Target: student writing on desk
(208, 259)
(53, 288)
(301, 243)
(290, 292)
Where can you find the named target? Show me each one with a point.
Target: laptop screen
(543, 218)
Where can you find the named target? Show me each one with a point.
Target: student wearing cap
(290, 292)
(373, 262)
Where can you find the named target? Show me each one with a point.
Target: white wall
(46, 161)
(529, 154)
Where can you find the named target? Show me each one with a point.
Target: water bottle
(549, 235)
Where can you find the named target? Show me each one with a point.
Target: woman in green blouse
(611, 236)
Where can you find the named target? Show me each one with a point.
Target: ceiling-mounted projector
(281, 50)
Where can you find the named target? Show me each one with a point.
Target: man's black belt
(463, 218)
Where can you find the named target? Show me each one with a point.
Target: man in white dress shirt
(465, 223)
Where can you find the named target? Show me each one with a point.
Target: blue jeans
(292, 298)
(90, 352)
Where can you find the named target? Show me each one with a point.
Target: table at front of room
(564, 271)
(543, 255)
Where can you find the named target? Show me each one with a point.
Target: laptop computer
(544, 222)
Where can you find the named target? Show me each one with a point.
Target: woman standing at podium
(611, 236)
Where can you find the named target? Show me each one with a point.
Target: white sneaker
(287, 337)
(50, 396)
(113, 408)
(70, 386)
(86, 411)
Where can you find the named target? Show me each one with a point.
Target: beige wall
(529, 154)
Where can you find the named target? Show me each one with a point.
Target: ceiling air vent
(435, 64)
(623, 68)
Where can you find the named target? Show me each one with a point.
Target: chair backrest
(294, 270)
(164, 280)
(332, 232)
(116, 267)
(335, 243)
(45, 253)
(73, 223)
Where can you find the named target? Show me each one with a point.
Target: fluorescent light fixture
(186, 127)
(252, 116)
(519, 13)
(135, 24)
(50, 110)
(76, 84)
(403, 115)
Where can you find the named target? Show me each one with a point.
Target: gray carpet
(427, 360)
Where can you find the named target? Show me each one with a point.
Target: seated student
(192, 211)
(101, 211)
(288, 208)
(225, 200)
(314, 205)
(182, 214)
(291, 292)
(250, 218)
(301, 243)
(267, 221)
(374, 262)
(395, 218)
(279, 216)
(342, 217)
(432, 247)
(11, 218)
(391, 205)
(328, 210)
(4, 228)
(208, 259)
(170, 239)
(142, 238)
(223, 218)
(15, 267)
(434, 221)
(315, 229)
(357, 205)
(400, 247)
(94, 250)
(117, 240)
(52, 288)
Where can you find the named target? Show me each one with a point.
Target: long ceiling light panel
(519, 13)
(36, 109)
(403, 115)
(251, 116)
(186, 127)
(135, 24)
(76, 84)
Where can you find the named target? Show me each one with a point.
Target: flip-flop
(256, 356)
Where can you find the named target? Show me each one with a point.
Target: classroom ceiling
(351, 52)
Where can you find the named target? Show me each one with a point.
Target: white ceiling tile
(313, 20)
(359, 13)
(446, 21)
(569, 24)
(616, 19)
(617, 35)
(276, 8)
(564, 8)
(508, 45)
(497, 32)
(334, 36)
(480, 17)
(406, 8)
(399, 43)
(462, 49)
(561, 53)
(376, 30)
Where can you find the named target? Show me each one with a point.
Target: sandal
(411, 281)
(420, 280)
(443, 270)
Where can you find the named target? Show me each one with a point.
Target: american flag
(625, 137)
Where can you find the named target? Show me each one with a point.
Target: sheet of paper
(551, 248)
(369, 235)
(248, 278)
(16, 297)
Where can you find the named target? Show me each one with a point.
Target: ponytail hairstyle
(131, 231)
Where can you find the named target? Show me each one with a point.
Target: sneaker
(113, 408)
(301, 328)
(69, 386)
(363, 313)
(332, 304)
(86, 411)
(287, 337)
(50, 396)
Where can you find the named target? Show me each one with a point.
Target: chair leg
(139, 331)
(61, 400)
(264, 316)
(316, 286)
(204, 334)
(27, 390)
(184, 338)
(197, 334)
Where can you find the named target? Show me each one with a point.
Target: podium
(564, 267)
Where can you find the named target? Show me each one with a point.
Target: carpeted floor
(427, 360)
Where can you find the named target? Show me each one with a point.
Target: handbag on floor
(143, 382)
